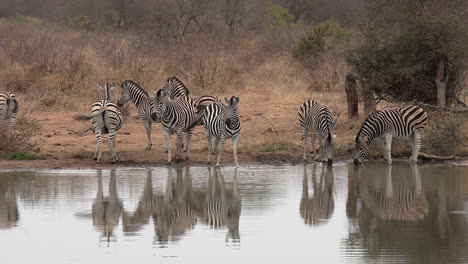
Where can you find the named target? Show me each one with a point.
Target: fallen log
(435, 157)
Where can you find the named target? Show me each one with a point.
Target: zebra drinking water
(392, 122)
(105, 118)
(222, 122)
(177, 116)
(8, 107)
(143, 103)
(315, 116)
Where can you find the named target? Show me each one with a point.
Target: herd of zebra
(179, 113)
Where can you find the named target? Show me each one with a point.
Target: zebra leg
(235, 140)
(208, 138)
(167, 135)
(220, 148)
(112, 135)
(148, 133)
(97, 154)
(322, 149)
(416, 144)
(388, 149)
(13, 120)
(304, 138)
(314, 136)
(188, 142)
(180, 137)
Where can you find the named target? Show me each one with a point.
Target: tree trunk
(368, 96)
(352, 96)
(441, 80)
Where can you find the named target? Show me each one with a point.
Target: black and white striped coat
(143, 103)
(392, 122)
(8, 107)
(222, 122)
(317, 118)
(177, 89)
(177, 116)
(105, 119)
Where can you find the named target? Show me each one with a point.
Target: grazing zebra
(8, 107)
(177, 116)
(144, 104)
(222, 122)
(315, 116)
(392, 122)
(106, 118)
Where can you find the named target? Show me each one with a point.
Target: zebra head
(161, 97)
(176, 88)
(231, 112)
(329, 147)
(125, 95)
(361, 149)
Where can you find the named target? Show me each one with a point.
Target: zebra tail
(86, 117)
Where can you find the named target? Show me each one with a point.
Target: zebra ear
(111, 90)
(226, 99)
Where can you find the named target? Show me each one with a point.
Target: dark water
(300, 214)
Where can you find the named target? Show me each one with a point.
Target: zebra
(177, 116)
(144, 104)
(392, 122)
(106, 118)
(315, 116)
(176, 88)
(222, 122)
(8, 107)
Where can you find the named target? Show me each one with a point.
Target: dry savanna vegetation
(274, 55)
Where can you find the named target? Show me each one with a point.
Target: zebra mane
(134, 86)
(177, 84)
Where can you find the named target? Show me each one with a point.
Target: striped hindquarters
(105, 116)
(8, 106)
(315, 116)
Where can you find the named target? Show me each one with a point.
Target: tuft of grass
(279, 145)
(22, 156)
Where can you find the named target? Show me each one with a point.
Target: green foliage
(399, 55)
(278, 17)
(22, 156)
(320, 38)
(81, 23)
(444, 134)
(20, 20)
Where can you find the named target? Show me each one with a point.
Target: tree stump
(351, 96)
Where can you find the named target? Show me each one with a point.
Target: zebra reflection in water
(9, 213)
(394, 200)
(317, 209)
(106, 211)
(223, 207)
(145, 208)
(176, 211)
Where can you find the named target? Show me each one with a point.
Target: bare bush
(444, 133)
(19, 139)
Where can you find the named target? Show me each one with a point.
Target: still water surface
(296, 214)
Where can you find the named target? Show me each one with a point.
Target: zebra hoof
(95, 158)
(304, 160)
(413, 162)
(114, 161)
(149, 148)
(208, 163)
(187, 158)
(169, 163)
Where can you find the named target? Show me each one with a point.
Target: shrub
(81, 23)
(22, 156)
(278, 17)
(19, 139)
(444, 134)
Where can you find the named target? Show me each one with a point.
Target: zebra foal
(143, 103)
(177, 116)
(317, 118)
(105, 119)
(393, 122)
(8, 107)
(222, 122)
